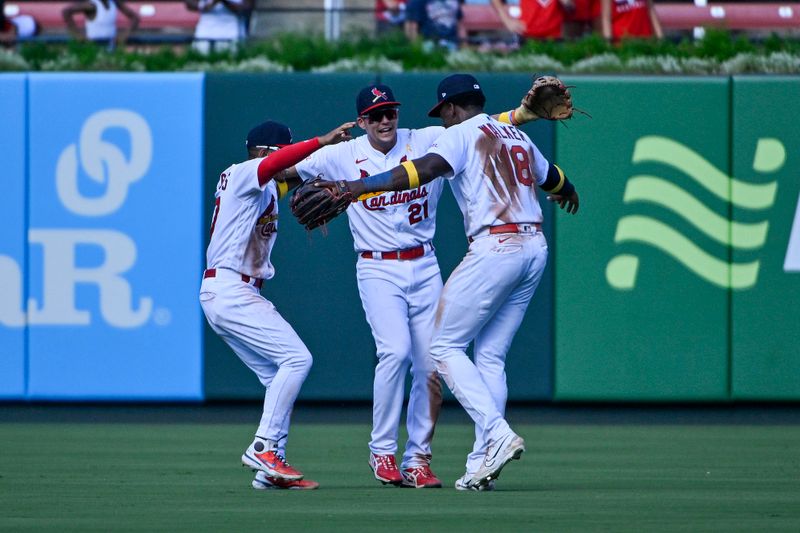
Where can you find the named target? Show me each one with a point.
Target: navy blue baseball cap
(454, 85)
(269, 133)
(374, 96)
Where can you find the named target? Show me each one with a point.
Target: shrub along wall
(719, 52)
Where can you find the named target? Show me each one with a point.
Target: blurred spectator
(539, 19)
(582, 18)
(222, 24)
(100, 20)
(629, 18)
(18, 28)
(389, 15)
(438, 22)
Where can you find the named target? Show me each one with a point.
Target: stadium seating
(154, 15)
(171, 17)
(674, 16)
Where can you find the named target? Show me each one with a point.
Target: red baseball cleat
(385, 469)
(259, 457)
(264, 482)
(420, 477)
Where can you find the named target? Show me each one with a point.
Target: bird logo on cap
(378, 95)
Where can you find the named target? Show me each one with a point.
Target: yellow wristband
(505, 118)
(283, 188)
(413, 177)
(560, 181)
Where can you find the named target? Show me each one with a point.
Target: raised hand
(337, 135)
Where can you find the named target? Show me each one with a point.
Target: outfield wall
(678, 280)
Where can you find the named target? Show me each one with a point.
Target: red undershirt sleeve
(284, 158)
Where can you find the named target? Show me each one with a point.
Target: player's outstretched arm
(408, 175)
(290, 155)
(548, 98)
(317, 202)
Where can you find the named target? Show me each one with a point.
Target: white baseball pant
(485, 300)
(399, 299)
(264, 341)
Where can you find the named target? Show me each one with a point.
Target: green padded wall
(766, 165)
(642, 271)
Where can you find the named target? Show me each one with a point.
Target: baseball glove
(549, 98)
(315, 206)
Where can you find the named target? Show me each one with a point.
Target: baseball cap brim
(435, 110)
(379, 105)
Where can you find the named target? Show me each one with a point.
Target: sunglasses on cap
(271, 148)
(378, 114)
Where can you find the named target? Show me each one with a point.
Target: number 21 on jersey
(417, 212)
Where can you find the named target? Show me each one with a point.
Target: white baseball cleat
(264, 456)
(499, 453)
(465, 483)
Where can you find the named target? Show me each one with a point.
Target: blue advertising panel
(12, 237)
(115, 245)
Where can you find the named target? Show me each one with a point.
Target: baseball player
(398, 279)
(492, 168)
(243, 232)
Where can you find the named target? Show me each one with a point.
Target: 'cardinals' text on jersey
(382, 221)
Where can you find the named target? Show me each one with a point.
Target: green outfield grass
(186, 477)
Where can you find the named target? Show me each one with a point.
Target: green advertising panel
(315, 283)
(642, 271)
(766, 238)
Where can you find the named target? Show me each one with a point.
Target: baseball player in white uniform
(398, 280)
(243, 231)
(493, 168)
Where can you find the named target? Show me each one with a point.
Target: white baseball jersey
(493, 182)
(245, 222)
(393, 220)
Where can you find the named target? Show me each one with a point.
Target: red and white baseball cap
(373, 97)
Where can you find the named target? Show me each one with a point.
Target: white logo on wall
(107, 165)
(104, 162)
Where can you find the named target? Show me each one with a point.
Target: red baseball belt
(402, 255)
(255, 282)
(524, 227)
